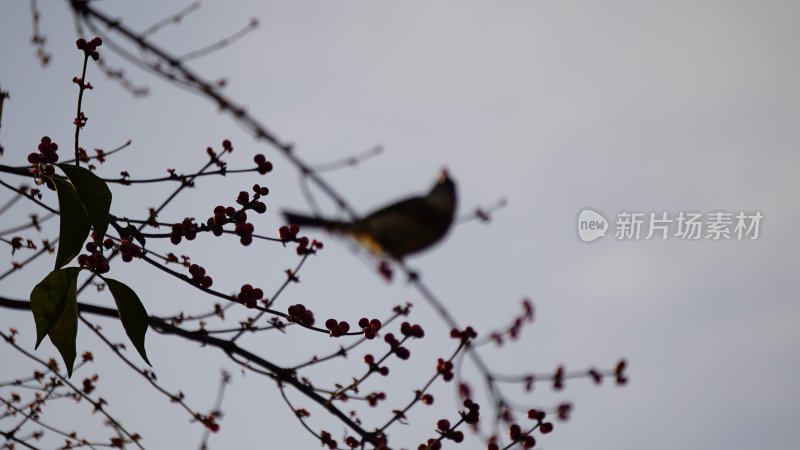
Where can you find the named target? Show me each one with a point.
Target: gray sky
(556, 106)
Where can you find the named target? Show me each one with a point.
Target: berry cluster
(413, 331)
(524, 438)
(243, 228)
(90, 48)
(47, 153)
(537, 415)
(337, 328)
(186, 228)
(248, 295)
(224, 215)
(44, 159)
(473, 412)
(89, 384)
(127, 249)
(256, 205)
(373, 366)
(264, 166)
(370, 327)
(304, 245)
(328, 440)
(209, 421)
(426, 399)
(288, 233)
(448, 431)
(221, 216)
(374, 398)
(464, 335)
(301, 315)
(445, 368)
(515, 434)
(401, 352)
(94, 261)
(227, 147)
(443, 425)
(199, 276)
(432, 444)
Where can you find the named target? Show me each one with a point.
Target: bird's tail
(303, 220)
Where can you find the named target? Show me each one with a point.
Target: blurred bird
(401, 228)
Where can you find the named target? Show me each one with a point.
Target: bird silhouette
(399, 229)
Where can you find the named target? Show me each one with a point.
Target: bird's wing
(310, 221)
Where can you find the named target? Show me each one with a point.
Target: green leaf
(75, 223)
(94, 194)
(50, 298)
(131, 313)
(64, 334)
(54, 303)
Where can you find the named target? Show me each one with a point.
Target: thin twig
(173, 19)
(220, 44)
(38, 39)
(78, 118)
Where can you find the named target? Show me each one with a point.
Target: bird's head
(443, 194)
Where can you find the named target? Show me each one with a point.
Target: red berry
(264, 168)
(514, 432)
(402, 353)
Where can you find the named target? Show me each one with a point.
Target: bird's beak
(443, 175)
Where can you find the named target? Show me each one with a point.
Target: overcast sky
(617, 106)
